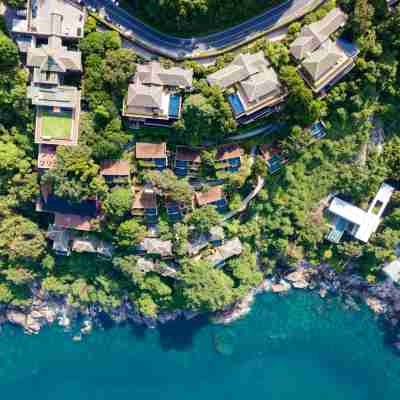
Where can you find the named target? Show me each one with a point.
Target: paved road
(175, 47)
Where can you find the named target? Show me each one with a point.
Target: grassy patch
(56, 126)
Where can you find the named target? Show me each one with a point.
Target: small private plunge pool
(236, 104)
(174, 106)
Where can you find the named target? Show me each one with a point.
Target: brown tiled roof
(72, 221)
(115, 168)
(214, 194)
(184, 153)
(47, 156)
(151, 150)
(228, 151)
(144, 199)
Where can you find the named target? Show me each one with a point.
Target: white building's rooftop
(365, 223)
(392, 270)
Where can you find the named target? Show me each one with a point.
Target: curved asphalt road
(174, 47)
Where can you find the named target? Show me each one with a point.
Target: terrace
(56, 127)
(47, 156)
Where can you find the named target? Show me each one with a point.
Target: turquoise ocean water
(292, 347)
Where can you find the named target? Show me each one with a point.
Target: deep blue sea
(293, 347)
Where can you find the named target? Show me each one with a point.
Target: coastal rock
(375, 305)
(323, 292)
(87, 327)
(64, 321)
(29, 324)
(265, 286)
(280, 287)
(16, 318)
(240, 309)
(32, 325)
(298, 279)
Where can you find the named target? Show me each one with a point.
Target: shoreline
(382, 298)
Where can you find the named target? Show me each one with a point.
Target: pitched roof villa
(323, 61)
(357, 222)
(152, 98)
(215, 197)
(63, 18)
(73, 221)
(152, 155)
(115, 168)
(254, 83)
(144, 203)
(53, 59)
(187, 160)
(57, 105)
(228, 157)
(312, 36)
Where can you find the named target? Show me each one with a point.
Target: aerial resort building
(145, 204)
(273, 157)
(57, 106)
(251, 85)
(151, 155)
(154, 97)
(41, 37)
(214, 197)
(228, 158)
(45, 18)
(355, 221)
(115, 171)
(187, 161)
(222, 253)
(323, 61)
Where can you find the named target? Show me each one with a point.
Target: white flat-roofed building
(357, 222)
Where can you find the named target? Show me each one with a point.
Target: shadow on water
(139, 331)
(179, 334)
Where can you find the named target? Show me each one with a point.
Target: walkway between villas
(251, 195)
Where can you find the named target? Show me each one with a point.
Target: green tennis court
(56, 125)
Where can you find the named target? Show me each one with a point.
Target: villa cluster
(251, 85)
(47, 36)
(70, 219)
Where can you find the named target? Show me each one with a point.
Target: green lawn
(56, 126)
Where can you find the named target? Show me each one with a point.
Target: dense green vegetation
(286, 222)
(195, 17)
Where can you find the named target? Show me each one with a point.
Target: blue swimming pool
(174, 105)
(236, 104)
(349, 48)
(317, 130)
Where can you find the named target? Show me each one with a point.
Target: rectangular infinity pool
(174, 105)
(236, 104)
